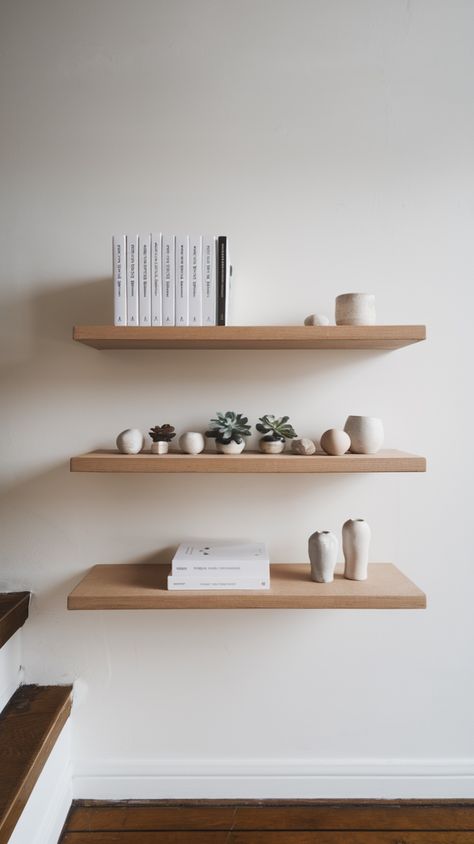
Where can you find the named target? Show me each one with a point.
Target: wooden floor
(271, 822)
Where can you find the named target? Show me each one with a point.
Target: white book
(156, 267)
(132, 279)
(119, 265)
(167, 288)
(195, 280)
(210, 583)
(209, 301)
(209, 551)
(182, 281)
(229, 569)
(144, 277)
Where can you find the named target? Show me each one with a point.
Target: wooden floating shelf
(248, 462)
(251, 337)
(143, 587)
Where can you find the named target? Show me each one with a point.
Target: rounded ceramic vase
(335, 442)
(322, 550)
(130, 441)
(355, 309)
(366, 433)
(159, 447)
(191, 442)
(355, 544)
(230, 448)
(271, 446)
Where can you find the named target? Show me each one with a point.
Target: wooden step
(13, 613)
(29, 726)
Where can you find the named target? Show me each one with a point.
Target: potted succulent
(161, 436)
(276, 433)
(229, 432)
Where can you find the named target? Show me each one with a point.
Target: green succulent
(229, 426)
(162, 433)
(276, 429)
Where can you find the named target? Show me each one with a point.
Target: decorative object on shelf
(277, 431)
(161, 436)
(335, 442)
(355, 544)
(322, 550)
(355, 309)
(366, 433)
(229, 432)
(316, 319)
(191, 442)
(303, 445)
(130, 441)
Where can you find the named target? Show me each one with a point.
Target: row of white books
(170, 280)
(220, 565)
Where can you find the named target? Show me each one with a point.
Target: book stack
(212, 565)
(170, 280)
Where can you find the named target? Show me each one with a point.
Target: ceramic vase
(191, 442)
(271, 446)
(335, 442)
(130, 441)
(322, 550)
(316, 319)
(355, 309)
(230, 448)
(366, 433)
(355, 544)
(160, 447)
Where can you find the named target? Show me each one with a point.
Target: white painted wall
(333, 142)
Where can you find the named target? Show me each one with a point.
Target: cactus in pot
(229, 432)
(161, 436)
(276, 432)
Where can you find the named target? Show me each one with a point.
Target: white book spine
(144, 276)
(195, 281)
(156, 266)
(168, 299)
(209, 302)
(207, 583)
(228, 569)
(132, 279)
(119, 265)
(182, 281)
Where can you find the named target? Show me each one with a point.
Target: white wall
(333, 142)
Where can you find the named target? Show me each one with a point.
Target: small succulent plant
(162, 433)
(275, 429)
(229, 427)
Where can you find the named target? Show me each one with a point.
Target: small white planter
(159, 447)
(355, 544)
(271, 446)
(130, 441)
(355, 309)
(191, 442)
(230, 448)
(322, 550)
(366, 433)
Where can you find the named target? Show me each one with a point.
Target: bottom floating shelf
(143, 587)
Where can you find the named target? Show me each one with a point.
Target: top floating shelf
(251, 337)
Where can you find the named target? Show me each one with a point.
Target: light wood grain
(388, 460)
(143, 586)
(251, 337)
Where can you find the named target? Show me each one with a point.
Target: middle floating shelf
(250, 462)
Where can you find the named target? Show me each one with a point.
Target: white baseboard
(274, 778)
(11, 672)
(43, 817)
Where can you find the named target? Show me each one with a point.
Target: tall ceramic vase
(322, 549)
(355, 544)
